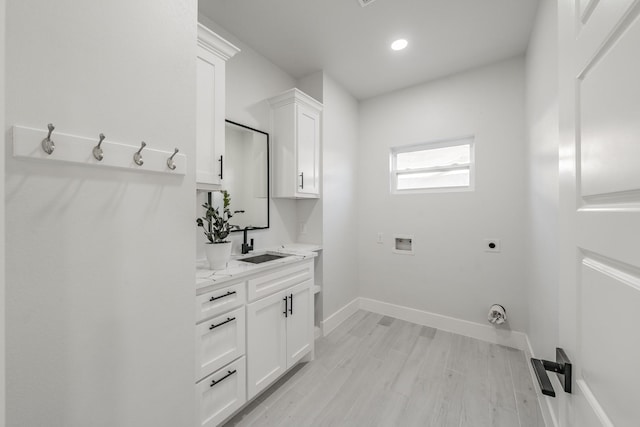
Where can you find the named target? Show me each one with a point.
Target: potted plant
(216, 228)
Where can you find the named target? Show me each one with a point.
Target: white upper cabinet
(213, 52)
(296, 151)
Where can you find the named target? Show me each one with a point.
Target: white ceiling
(352, 44)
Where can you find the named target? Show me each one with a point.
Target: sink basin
(259, 259)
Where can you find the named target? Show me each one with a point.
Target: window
(432, 167)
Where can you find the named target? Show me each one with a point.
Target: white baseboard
(545, 403)
(333, 321)
(487, 333)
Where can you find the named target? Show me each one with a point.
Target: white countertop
(237, 269)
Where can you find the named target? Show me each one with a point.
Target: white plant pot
(218, 255)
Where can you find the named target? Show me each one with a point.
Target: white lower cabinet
(243, 348)
(279, 334)
(221, 393)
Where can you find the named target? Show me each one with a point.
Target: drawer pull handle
(229, 319)
(286, 303)
(222, 296)
(291, 304)
(214, 382)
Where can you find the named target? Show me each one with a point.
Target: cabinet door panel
(308, 137)
(221, 394)
(299, 322)
(266, 344)
(210, 131)
(219, 341)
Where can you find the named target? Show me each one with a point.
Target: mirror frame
(268, 176)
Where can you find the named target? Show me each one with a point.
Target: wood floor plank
(528, 410)
(366, 325)
(434, 363)
(428, 332)
(448, 409)
(279, 410)
(476, 407)
(341, 350)
(421, 402)
(386, 321)
(360, 380)
(364, 349)
(346, 326)
(383, 346)
(406, 338)
(407, 376)
(520, 371)
(501, 390)
(366, 400)
(311, 405)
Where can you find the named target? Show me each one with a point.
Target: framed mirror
(246, 175)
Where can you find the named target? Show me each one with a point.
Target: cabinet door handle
(214, 382)
(291, 305)
(302, 180)
(222, 296)
(285, 306)
(221, 166)
(229, 319)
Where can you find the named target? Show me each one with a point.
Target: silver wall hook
(97, 151)
(170, 163)
(137, 157)
(47, 144)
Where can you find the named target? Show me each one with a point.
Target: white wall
(251, 80)
(450, 273)
(542, 182)
(2, 219)
(100, 263)
(339, 197)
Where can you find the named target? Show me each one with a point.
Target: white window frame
(393, 172)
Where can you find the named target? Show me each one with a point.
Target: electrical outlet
(303, 228)
(492, 245)
(380, 238)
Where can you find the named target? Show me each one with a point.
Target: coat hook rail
(30, 143)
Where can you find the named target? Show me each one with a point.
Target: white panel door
(308, 139)
(266, 342)
(299, 322)
(600, 210)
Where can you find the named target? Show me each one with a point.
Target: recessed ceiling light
(399, 44)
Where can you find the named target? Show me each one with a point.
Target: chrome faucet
(245, 247)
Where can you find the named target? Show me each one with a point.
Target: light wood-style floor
(374, 370)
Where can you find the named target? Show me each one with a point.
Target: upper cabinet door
(213, 51)
(296, 147)
(308, 137)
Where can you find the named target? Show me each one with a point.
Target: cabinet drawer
(217, 302)
(270, 283)
(219, 341)
(220, 394)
